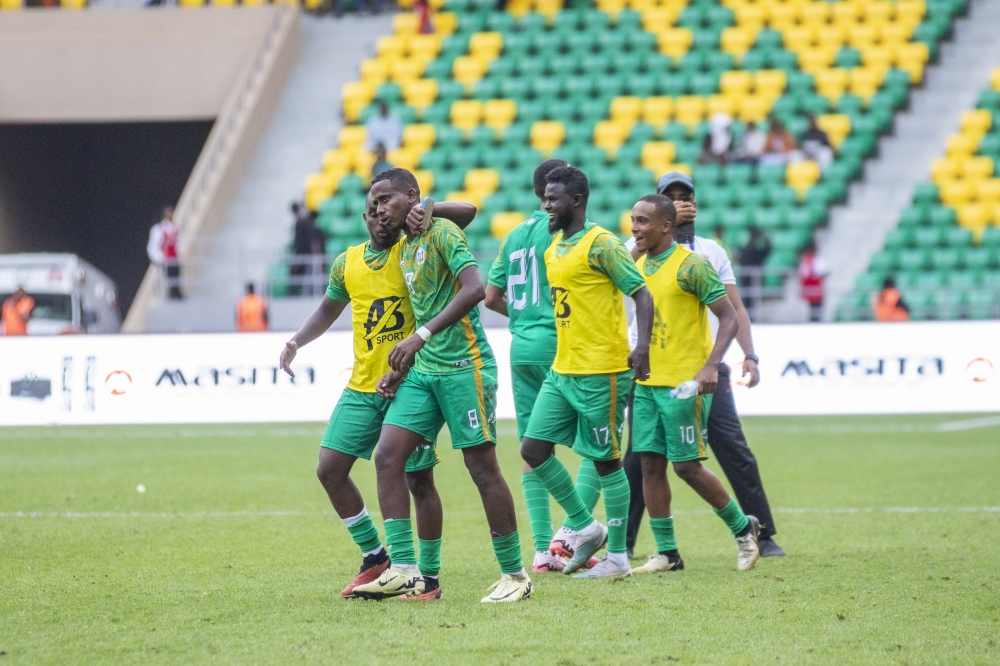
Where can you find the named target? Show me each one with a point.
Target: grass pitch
(233, 555)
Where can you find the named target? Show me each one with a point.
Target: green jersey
(430, 264)
(519, 269)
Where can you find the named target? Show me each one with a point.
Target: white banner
(234, 378)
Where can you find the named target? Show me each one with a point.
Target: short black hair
(543, 170)
(663, 205)
(250, 287)
(400, 179)
(572, 178)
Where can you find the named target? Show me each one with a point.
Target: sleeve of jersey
(337, 289)
(609, 256)
(454, 248)
(697, 277)
(725, 269)
(498, 271)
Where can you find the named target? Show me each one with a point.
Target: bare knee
(688, 471)
(653, 466)
(421, 484)
(482, 465)
(536, 452)
(334, 468)
(605, 467)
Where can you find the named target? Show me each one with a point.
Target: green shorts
(674, 428)
(466, 401)
(526, 380)
(588, 410)
(356, 424)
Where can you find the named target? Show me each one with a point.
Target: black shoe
(374, 560)
(768, 548)
(629, 554)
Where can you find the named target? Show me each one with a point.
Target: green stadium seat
(990, 145)
(899, 238)
(869, 282)
(943, 216)
(945, 259)
(914, 216)
(958, 237)
(914, 260)
(771, 174)
(769, 218)
(735, 218)
(991, 237)
(928, 237)
(989, 99)
(963, 279)
(847, 57)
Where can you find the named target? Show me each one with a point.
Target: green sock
(558, 482)
(539, 517)
(508, 550)
(733, 516)
(399, 539)
(363, 532)
(430, 557)
(616, 500)
(663, 532)
(588, 484)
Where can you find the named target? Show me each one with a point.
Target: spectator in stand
(752, 256)
(251, 312)
(751, 144)
(384, 128)
(812, 271)
(381, 163)
(16, 312)
(816, 145)
(309, 246)
(715, 148)
(888, 304)
(719, 235)
(423, 11)
(162, 251)
(779, 148)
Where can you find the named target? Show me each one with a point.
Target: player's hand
(638, 360)
(750, 368)
(685, 212)
(287, 356)
(708, 379)
(402, 355)
(415, 220)
(388, 383)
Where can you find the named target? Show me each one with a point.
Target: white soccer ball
(140, 488)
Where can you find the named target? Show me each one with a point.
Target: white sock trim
(408, 567)
(372, 552)
(354, 519)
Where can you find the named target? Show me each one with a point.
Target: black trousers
(729, 445)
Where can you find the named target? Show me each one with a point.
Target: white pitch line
(969, 424)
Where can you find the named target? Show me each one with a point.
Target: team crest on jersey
(420, 255)
(385, 321)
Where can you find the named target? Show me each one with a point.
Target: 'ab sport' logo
(384, 321)
(560, 304)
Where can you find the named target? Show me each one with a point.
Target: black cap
(668, 179)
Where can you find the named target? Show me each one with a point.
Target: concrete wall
(125, 64)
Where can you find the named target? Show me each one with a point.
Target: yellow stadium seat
(735, 83)
(483, 181)
(473, 198)
(802, 175)
(976, 122)
(831, 83)
(626, 109)
(815, 13)
(815, 60)
(689, 110)
(425, 179)
(836, 125)
(10, 4)
(425, 47)
(755, 108)
(912, 57)
(995, 79)
(548, 8)
(611, 7)
(499, 113)
(215, 3)
(799, 39)
(878, 11)
(407, 23)
(466, 113)
(640, 5)
(403, 158)
(610, 135)
(675, 42)
(486, 45)
(657, 110)
(955, 193)
(352, 137)
(861, 36)
(988, 191)
(419, 136)
(657, 19)
(518, 7)
(547, 135)
(945, 168)
(656, 154)
(420, 93)
(845, 14)
(393, 46)
(961, 145)
(358, 90)
(910, 11)
(722, 104)
(880, 57)
(406, 69)
(319, 187)
(770, 82)
(677, 166)
(363, 161)
(468, 70)
(975, 168)
(253, 3)
(737, 41)
(625, 223)
(502, 224)
(865, 82)
(750, 16)
(894, 34)
(338, 160)
(191, 3)
(375, 71)
(830, 36)
(782, 16)
(444, 23)
(975, 217)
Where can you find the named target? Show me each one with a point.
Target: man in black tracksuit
(725, 433)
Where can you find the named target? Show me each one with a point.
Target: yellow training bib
(682, 338)
(380, 315)
(591, 330)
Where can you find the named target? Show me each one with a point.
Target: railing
(759, 284)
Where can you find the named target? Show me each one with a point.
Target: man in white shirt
(162, 251)
(725, 433)
(384, 128)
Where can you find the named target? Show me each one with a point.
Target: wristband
(424, 333)
(752, 357)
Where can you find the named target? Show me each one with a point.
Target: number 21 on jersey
(518, 261)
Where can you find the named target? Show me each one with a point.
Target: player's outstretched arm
(743, 335)
(638, 360)
(708, 376)
(495, 300)
(471, 291)
(317, 324)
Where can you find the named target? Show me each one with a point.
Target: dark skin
(568, 214)
(396, 444)
(334, 468)
(654, 234)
